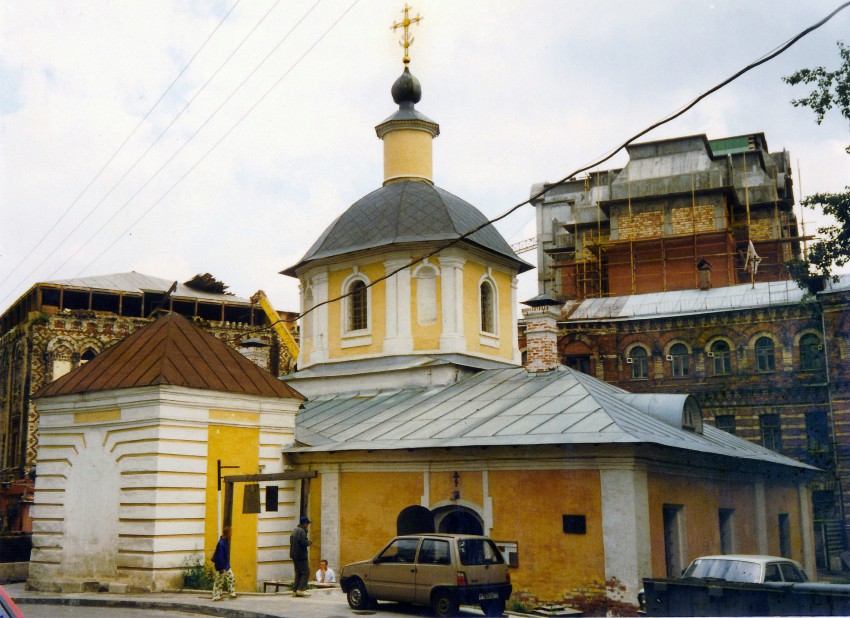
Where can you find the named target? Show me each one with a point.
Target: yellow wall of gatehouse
(783, 500)
(371, 504)
(536, 524)
(701, 501)
(234, 446)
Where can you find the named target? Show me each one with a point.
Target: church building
(417, 399)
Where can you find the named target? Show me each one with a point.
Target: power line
(112, 157)
(148, 149)
(179, 150)
(769, 56)
(220, 140)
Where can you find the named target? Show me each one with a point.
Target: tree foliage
(832, 90)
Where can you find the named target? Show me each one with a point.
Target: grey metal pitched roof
(138, 282)
(404, 212)
(501, 407)
(689, 302)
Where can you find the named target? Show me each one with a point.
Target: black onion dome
(406, 212)
(406, 89)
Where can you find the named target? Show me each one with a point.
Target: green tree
(832, 90)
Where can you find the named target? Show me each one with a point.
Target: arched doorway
(458, 520)
(415, 520)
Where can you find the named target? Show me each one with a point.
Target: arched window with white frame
(357, 318)
(487, 302)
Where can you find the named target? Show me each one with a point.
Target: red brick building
(672, 275)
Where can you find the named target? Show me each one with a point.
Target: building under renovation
(673, 278)
(57, 326)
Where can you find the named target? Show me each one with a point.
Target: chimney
(541, 333)
(704, 269)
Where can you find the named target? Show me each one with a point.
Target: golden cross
(406, 23)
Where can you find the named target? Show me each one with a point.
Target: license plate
(486, 596)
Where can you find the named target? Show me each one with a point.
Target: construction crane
(277, 323)
(523, 246)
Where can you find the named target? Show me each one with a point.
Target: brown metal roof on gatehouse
(170, 352)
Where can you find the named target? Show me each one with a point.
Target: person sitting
(325, 574)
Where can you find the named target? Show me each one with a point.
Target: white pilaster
(515, 322)
(425, 500)
(452, 338)
(488, 502)
(806, 530)
(625, 528)
(319, 282)
(330, 518)
(399, 336)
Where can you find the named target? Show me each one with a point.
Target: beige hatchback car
(440, 570)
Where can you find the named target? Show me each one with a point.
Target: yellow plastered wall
(548, 558)
(702, 500)
(425, 336)
(377, 311)
(371, 502)
(469, 486)
(234, 446)
(408, 153)
(741, 497)
(783, 499)
(472, 273)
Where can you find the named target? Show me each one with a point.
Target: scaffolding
(595, 261)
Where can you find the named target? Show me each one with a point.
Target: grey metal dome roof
(404, 212)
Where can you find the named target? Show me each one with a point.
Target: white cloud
(523, 91)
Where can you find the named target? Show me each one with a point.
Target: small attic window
(692, 416)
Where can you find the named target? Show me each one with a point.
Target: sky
(176, 137)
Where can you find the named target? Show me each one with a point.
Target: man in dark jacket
(298, 544)
(221, 560)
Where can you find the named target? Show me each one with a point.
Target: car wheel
(493, 608)
(357, 596)
(444, 603)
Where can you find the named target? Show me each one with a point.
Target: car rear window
(730, 570)
(434, 552)
(478, 551)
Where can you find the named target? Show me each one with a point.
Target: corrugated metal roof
(686, 302)
(170, 351)
(501, 407)
(137, 283)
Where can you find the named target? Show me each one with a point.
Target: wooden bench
(277, 585)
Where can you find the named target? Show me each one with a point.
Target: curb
(212, 610)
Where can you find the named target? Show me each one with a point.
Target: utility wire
(179, 150)
(111, 158)
(220, 140)
(777, 51)
(139, 159)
